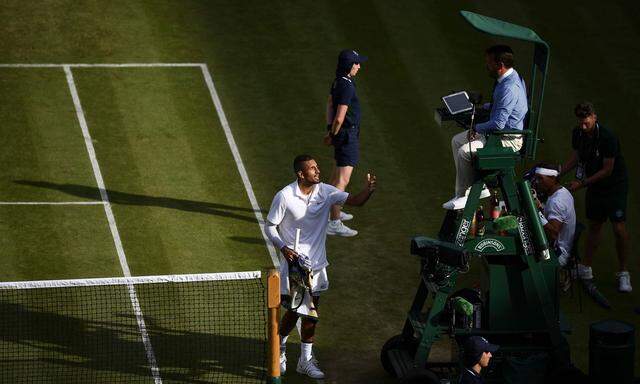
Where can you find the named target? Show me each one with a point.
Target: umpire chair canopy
(541, 54)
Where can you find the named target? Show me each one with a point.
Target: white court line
(98, 65)
(52, 202)
(236, 155)
(155, 371)
(219, 110)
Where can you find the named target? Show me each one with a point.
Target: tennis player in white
(305, 205)
(559, 218)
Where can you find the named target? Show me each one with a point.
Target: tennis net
(206, 328)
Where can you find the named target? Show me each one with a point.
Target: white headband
(546, 172)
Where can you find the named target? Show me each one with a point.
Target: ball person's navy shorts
(611, 205)
(346, 146)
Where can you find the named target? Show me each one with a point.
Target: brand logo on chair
(489, 243)
(462, 232)
(525, 235)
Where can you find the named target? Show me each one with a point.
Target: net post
(273, 305)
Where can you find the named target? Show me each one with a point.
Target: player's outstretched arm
(361, 198)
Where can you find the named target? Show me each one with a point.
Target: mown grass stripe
(238, 159)
(155, 371)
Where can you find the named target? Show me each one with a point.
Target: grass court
(155, 137)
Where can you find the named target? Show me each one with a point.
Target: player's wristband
(543, 220)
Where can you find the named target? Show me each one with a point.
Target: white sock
(305, 354)
(283, 343)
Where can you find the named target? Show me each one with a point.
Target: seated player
(559, 216)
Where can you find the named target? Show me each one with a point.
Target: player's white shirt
(292, 209)
(560, 207)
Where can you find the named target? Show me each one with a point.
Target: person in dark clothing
(601, 169)
(477, 354)
(343, 132)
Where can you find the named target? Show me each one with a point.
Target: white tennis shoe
(624, 282)
(344, 216)
(337, 228)
(310, 368)
(585, 272)
(459, 202)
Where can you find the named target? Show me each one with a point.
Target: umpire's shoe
(310, 368)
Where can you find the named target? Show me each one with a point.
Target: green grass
(56, 242)
(41, 136)
(178, 198)
(178, 201)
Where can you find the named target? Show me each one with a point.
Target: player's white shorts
(319, 283)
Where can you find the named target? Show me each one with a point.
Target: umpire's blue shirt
(343, 92)
(509, 106)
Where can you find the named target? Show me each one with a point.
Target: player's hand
(536, 201)
(371, 182)
(472, 135)
(289, 254)
(328, 140)
(574, 185)
(538, 204)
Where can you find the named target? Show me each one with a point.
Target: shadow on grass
(248, 240)
(124, 198)
(50, 346)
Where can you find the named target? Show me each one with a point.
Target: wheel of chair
(396, 342)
